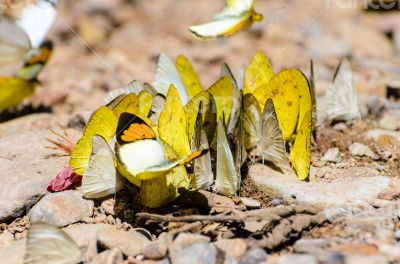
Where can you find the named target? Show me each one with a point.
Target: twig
(191, 218)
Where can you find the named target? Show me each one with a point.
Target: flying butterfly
(13, 90)
(48, 244)
(101, 178)
(300, 154)
(341, 97)
(237, 15)
(140, 153)
(167, 74)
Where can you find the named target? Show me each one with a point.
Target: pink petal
(66, 179)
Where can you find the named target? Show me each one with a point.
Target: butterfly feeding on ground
(341, 97)
(237, 15)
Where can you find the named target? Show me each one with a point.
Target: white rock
(358, 149)
(332, 155)
(375, 134)
(61, 208)
(26, 170)
(298, 259)
(390, 120)
(350, 185)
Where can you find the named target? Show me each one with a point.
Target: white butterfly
(101, 178)
(167, 74)
(237, 15)
(133, 87)
(341, 97)
(14, 42)
(47, 244)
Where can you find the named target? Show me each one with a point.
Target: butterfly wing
(222, 92)
(258, 73)
(133, 87)
(100, 178)
(314, 100)
(271, 146)
(251, 121)
(300, 154)
(218, 28)
(341, 97)
(172, 124)
(14, 42)
(47, 244)
(167, 74)
(188, 75)
(13, 91)
(157, 106)
(227, 181)
(103, 122)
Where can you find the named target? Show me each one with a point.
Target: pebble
(298, 259)
(61, 209)
(108, 206)
(275, 202)
(397, 235)
(390, 120)
(202, 253)
(186, 239)
(250, 203)
(254, 256)
(358, 149)
(130, 242)
(155, 249)
(340, 126)
(232, 247)
(376, 104)
(332, 155)
(310, 245)
(390, 195)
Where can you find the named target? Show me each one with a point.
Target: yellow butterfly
(188, 75)
(227, 181)
(49, 244)
(314, 101)
(209, 114)
(283, 89)
(13, 90)
(141, 154)
(103, 122)
(300, 154)
(258, 73)
(237, 15)
(101, 178)
(134, 104)
(203, 176)
(222, 91)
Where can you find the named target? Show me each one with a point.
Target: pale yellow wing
(258, 73)
(251, 121)
(172, 124)
(13, 91)
(305, 100)
(188, 75)
(222, 91)
(104, 123)
(300, 154)
(283, 90)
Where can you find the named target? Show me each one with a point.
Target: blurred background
(104, 44)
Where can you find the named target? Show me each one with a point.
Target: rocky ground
(349, 210)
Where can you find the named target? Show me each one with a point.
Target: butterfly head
(257, 17)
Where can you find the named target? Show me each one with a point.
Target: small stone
(390, 195)
(309, 245)
(155, 249)
(61, 209)
(232, 247)
(298, 259)
(275, 202)
(129, 242)
(250, 203)
(186, 239)
(334, 258)
(108, 206)
(318, 164)
(358, 149)
(340, 126)
(397, 235)
(376, 104)
(362, 259)
(197, 254)
(254, 256)
(332, 155)
(390, 120)
(111, 256)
